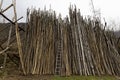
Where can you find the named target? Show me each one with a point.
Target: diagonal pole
(18, 38)
(11, 21)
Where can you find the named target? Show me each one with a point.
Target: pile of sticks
(86, 48)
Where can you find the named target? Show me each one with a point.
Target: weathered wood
(85, 49)
(18, 37)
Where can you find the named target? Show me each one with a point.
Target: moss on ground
(85, 78)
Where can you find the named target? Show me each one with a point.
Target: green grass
(84, 78)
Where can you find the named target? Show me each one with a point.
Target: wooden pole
(18, 38)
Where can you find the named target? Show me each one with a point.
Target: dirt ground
(13, 72)
(18, 75)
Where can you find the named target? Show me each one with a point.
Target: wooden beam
(11, 21)
(6, 8)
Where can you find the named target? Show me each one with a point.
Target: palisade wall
(70, 46)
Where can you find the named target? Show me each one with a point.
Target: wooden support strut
(18, 37)
(11, 21)
(6, 8)
(8, 43)
(16, 29)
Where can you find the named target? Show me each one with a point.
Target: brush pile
(70, 46)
